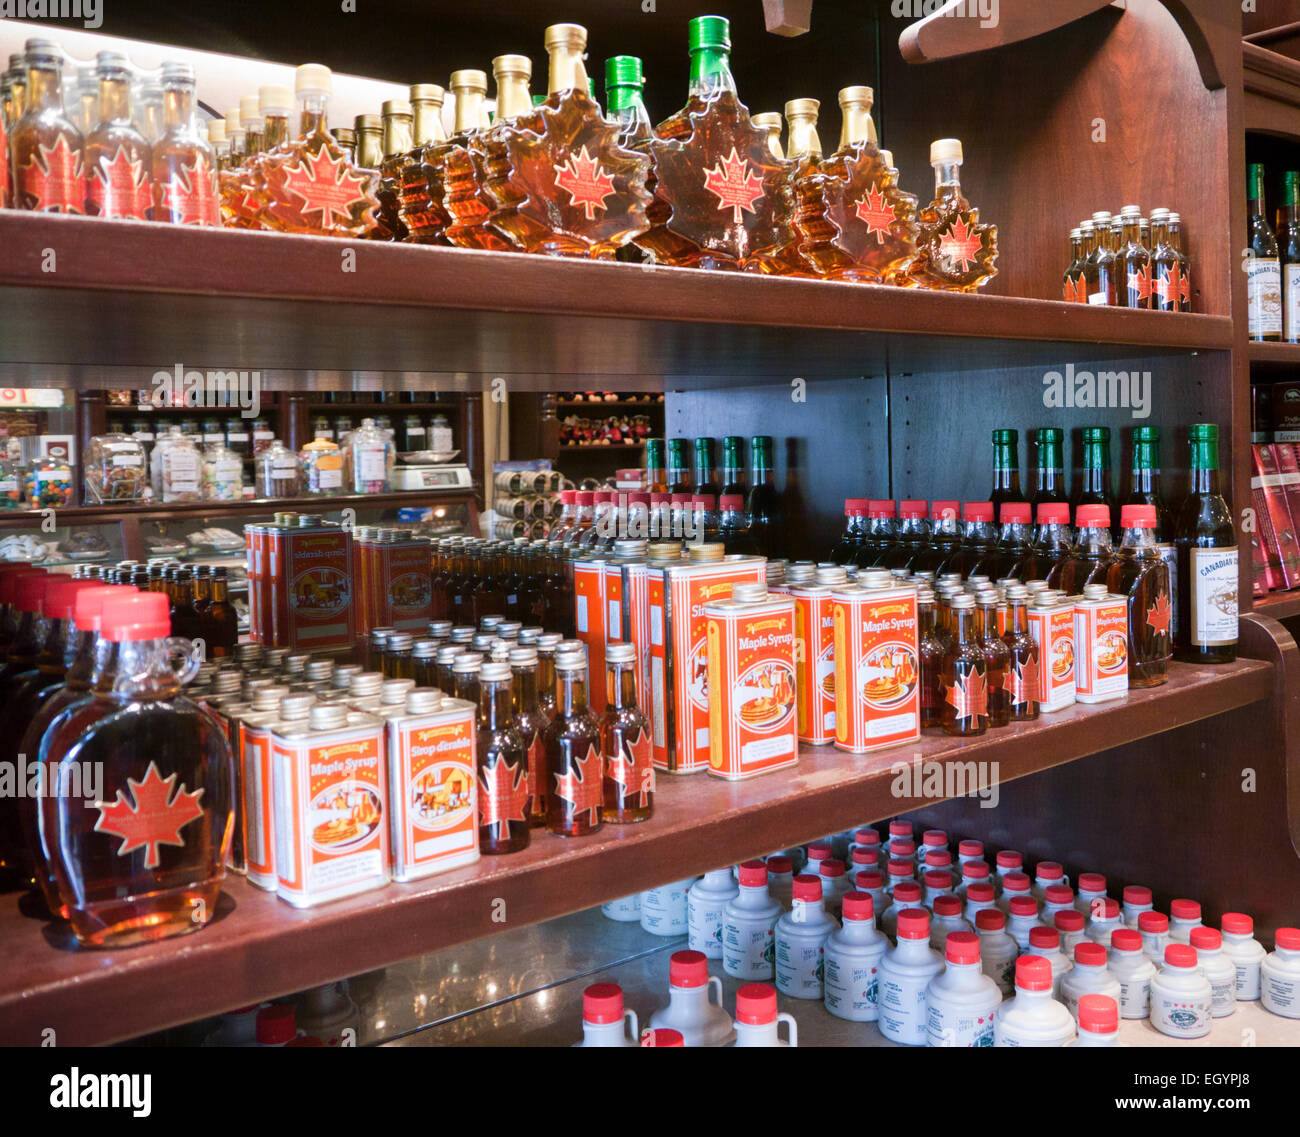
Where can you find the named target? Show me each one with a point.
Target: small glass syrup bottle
(419, 188)
(1135, 261)
(576, 789)
(1074, 270)
(311, 186)
(1101, 268)
(1022, 660)
(531, 721)
(805, 150)
(625, 741)
(954, 251)
(1184, 263)
(184, 168)
(504, 790)
(997, 657)
(118, 165)
(1166, 265)
(397, 142)
(930, 647)
(964, 673)
(45, 145)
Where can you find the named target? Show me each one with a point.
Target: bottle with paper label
(1033, 1017)
(757, 1020)
(706, 910)
(1263, 271)
(1206, 541)
(1181, 995)
(1245, 952)
(851, 962)
(905, 973)
(1280, 975)
(961, 1001)
(800, 940)
(748, 927)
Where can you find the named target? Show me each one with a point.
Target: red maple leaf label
(583, 788)
(633, 769)
(1140, 282)
(537, 772)
(505, 793)
(1076, 291)
(1167, 285)
(1184, 286)
(877, 213)
(189, 195)
(960, 243)
(326, 185)
(1159, 613)
(1022, 682)
(120, 187)
(52, 176)
(156, 818)
(969, 694)
(585, 181)
(735, 185)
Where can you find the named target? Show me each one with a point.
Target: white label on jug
(851, 992)
(705, 926)
(1223, 997)
(1135, 998)
(1281, 995)
(951, 1027)
(1248, 981)
(902, 1008)
(799, 967)
(1185, 1016)
(748, 952)
(1214, 596)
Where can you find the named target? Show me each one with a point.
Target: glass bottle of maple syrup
(1092, 552)
(1207, 559)
(856, 222)
(772, 122)
(1022, 659)
(45, 145)
(530, 720)
(1134, 261)
(1095, 485)
(978, 542)
(1015, 542)
(731, 201)
(504, 785)
(1049, 467)
(219, 623)
(944, 541)
(576, 789)
(1263, 266)
(733, 467)
(625, 741)
(147, 860)
(1101, 270)
(763, 505)
(419, 192)
(1144, 486)
(397, 142)
(1074, 269)
(1184, 263)
(954, 251)
(1006, 467)
(1139, 572)
(805, 151)
(310, 186)
(561, 183)
(930, 649)
(997, 657)
(964, 673)
(678, 475)
(1053, 544)
(266, 130)
(184, 168)
(705, 477)
(117, 157)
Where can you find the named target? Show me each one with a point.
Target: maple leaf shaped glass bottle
(419, 190)
(504, 789)
(954, 251)
(731, 200)
(625, 741)
(857, 223)
(184, 167)
(576, 793)
(147, 859)
(46, 147)
(398, 140)
(562, 184)
(805, 151)
(117, 157)
(265, 118)
(311, 186)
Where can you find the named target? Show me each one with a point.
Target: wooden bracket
(788, 17)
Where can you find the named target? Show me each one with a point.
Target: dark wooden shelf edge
(259, 948)
(1279, 605)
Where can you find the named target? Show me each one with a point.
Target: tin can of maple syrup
(679, 684)
(814, 651)
(877, 668)
(591, 618)
(433, 784)
(1051, 623)
(257, 778)
(751, 672)
(310, 568)
(627, 607)
(1100, 645)
(403, 583)
(330, 792)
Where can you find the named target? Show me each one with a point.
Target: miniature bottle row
(1128, 261)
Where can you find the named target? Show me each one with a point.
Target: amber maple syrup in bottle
(184, 167)
(220, 622)
(1074, 270)
(45, 145)
(979, 551)
(504, 786)
(1015, 541)
(1184, 303)
(117, 156)
(964, 673)
(397, 142)
(997, 657)
(310, 186)
(561, 183)
(1134, 261)
(625, 742)
(530, 720)
(954, 251)
(1102, 267)
(576, 790)
(805, 150)
(1092, 551)
(419, 192)
(147, 859)
(1053, 544)
(1140, 573)
(1166, 265)
(1006, 467)
(1022, 658)
(930, 649)
(547, 642)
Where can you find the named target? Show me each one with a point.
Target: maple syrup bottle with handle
(504, 787)
(1139, 572)
(184, 168)
(1092, 552)
(576, 788)
(118, 164)
(964, 674)
(1206, 542)
(625, 742)
(46, 146)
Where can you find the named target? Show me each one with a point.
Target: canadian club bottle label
(583, 786)
(586, 182)
(1263, 296)
(52, 179)
(120, 187)
(735, 185)
(1214, 596)
(503, 796)
(152, 815)
(633, 770)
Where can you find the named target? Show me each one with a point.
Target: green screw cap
(1096, 434)
(710, 33)
(623, 71)
(1146, 434)
(1203, 432)
(1006, 437)
(1048, 434)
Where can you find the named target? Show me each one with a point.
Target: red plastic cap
(866, 836)
(1180, 955)
(831, 866)
(1048, 938)
(900, 829)
(1023, 906)
(731, 501)
(275, 1025)
(934, 838)
(603, 497)
(638, 497)
(900, 868)
(1237, 924)
(980, 893)
(1094, 516)
(938, 858)
(586, 497)
(1009, 859)
(602, 1003)
(1155, 923)
(1206, 939)
(1098, 1014)
(1288, 939)
(977, 511)
(753, 874)
(779, 865)
(1053, 513)
(568, 497)
(913, 509)
(1137, 516)
(807, 887)
(975, 870)
(902, 849)
(1059, 894)
(680, 499)
(990, 920)
(1014, 512)
(970, 849)
(865, 880)
(880, 508)
(945, 510)
(1068, 921)
(947, 905)
(940, 880)
(908, 892)
(662, 1036)
(142, 616)
(1089, 954)
(756, 1004)
(1033, 973)
(859, 906)
(90, 604)
(1049, 870)
(914, 924)
(1091, 882)
(702, 501)
(1125, 939)
(864, 857)
(855, 506)
(61, 597)
(1184, 910)
(29, 591)
(819, 850)
(1137, 894)
(1105, 907)
(962, 947)
(688, 969)
(1016, 882)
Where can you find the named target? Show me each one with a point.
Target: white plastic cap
(250, 109)
(945, 150)
(217, 130)
(274, 99)
(313, 77)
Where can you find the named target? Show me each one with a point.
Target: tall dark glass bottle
(504, 787)
(1207, 559)
(1095, 483)
(1049, 467)
(733, 465)
(1263, 272)
(1145, 483)
(576, 790)
(1288, 250)
(706, 470)
(656, 466)
(764, 504)
(1006, 467)
(625, 742)
(679, 471)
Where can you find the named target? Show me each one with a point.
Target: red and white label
(120, 187)
(633, 769)
(153, 814)
(877, 669)
(326, 186)
(503, 796)
(960, 243)
(188, 195)
(735, 185)
(876, 212)
(968, 695)
(1101, 648)
(434, 791)
(52, 179)
(583, 787)
(585, 181)
(1053, 631)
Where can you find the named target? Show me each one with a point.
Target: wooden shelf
(621, 404)
(1266, 358)
(280, 305)
(1279, 605)
(569, 447)
(259, 948)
